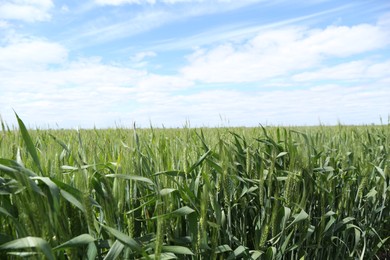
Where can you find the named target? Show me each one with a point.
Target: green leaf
(71, 194)
(29, 144)
(162, 256)
(125, 239)
(5, 212)
(285, 242)
(281, 154)
(114, 251)
(343, 222)
(181, 250)
(76, 241)
(153, 200)
(223, 249)
(183, 211)
(130, 177)
(214, 165)
(54, 199)
(285, 217)
(19, 158)
(256, 254)
(66, 148)
(29, 242)
(67, 167)
(239, 251)
(167, 191)
(70, 198)
(23, 254)
(299, 217)
(201, 159)
(245, 190)
(330, 213)
(7, 169)
(11, 166)
(92, 251)
(372, 193)
(381, 243)
(329, 224)
(20, 174)
(170, 173)
(270, 253)
(19, 227)
(381, 172)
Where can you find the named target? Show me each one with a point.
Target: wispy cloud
(140, 59)
(235, 32)
(140, 56)
(280, 52)
(100, 30)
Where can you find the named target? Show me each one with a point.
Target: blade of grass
(29, 143)
(30, 242)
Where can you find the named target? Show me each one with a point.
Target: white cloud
(26, 10)
(30, 53)
(142, 55)
(269, 54)
(3, 24)
(64, 9)
(325, 104)
(88, 92)
(161, 83)
(343, 41)
(89, 106)
(350, 71)
(281, 52)
(82, 92)
(85, 93)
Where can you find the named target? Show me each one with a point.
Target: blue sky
(108, 63)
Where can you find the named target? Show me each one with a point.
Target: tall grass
(223, 193)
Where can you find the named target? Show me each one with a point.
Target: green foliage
(249, 193)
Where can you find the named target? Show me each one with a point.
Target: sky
(174, 63)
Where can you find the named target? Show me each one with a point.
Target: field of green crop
(213, 193)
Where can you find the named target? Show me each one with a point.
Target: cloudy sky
(108, 63)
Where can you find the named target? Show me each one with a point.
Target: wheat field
(195, 193)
